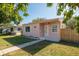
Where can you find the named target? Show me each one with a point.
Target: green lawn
(46, 48)
(8, 41)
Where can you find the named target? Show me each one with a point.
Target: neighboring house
(48, 29)
(10, 29)
(16, 30)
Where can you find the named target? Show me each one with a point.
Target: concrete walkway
(2, 52)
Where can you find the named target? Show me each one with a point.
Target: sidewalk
(2, 52)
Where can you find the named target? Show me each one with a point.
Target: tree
(68, 10)
(71, 24)
(9, 12)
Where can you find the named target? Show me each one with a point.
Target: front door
(45, 31)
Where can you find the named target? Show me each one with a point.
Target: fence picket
(69, 35)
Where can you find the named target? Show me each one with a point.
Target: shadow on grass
(69, 43)
(17, 40)
(4, 35)
(32, 49)
(39, 46)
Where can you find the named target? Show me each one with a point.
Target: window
(54, 28)
(11, 29)
(27, 29)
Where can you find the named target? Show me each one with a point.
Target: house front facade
(48, 29)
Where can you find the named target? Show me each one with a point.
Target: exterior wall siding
(39, 31)
(53, 36)
(33, 31)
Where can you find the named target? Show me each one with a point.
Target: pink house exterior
(48, 29)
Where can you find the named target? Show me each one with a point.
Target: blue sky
(40, 10)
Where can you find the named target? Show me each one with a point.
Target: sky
(40, 10)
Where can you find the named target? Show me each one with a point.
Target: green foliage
(25, 14)
(77, 23)
(68, 10)
(10, 12)
(49, 4)
(71, 24)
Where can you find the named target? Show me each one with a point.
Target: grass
(47, 48)
(8, 41)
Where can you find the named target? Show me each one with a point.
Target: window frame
(27, 29)
(54, 28)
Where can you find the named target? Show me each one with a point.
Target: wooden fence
(69, 35)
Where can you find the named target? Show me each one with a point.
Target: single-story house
(48, 29)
